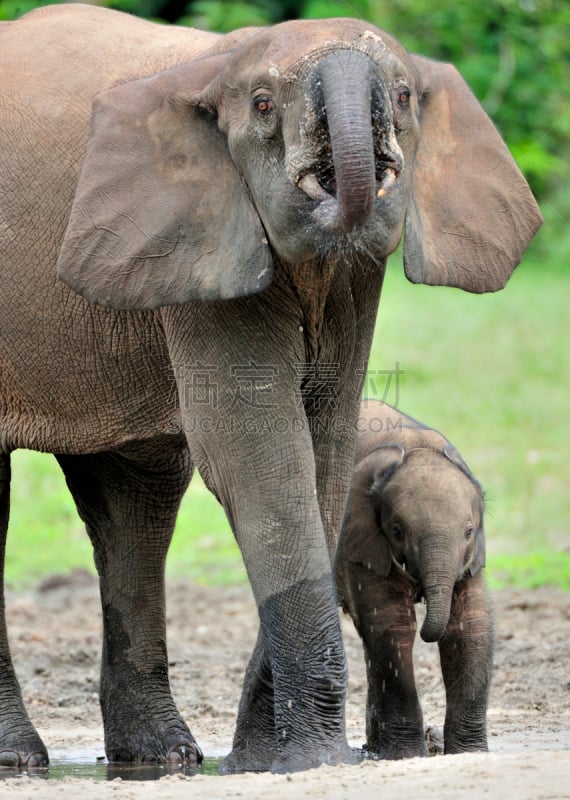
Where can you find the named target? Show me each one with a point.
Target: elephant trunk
(438, 576)
(346, 188)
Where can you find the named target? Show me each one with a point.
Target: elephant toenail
(185, 754)
(37, 760)
(8, 758)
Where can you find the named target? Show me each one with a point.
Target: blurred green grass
(490, 371)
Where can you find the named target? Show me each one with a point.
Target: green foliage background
(492, 372)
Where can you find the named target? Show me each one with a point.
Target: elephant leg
(254, 744)
(466, 654)
(291, 713)
(384, 615)
(20, 744)
(278, 527)
(129, 501)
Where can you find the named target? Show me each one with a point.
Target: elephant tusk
(388, 180)
(311, 186)
(402, 568)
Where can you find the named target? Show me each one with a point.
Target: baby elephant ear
(160, 214)
(479, 554)
(471, 214)
(361, 541)
(454, 456)
(478, 559)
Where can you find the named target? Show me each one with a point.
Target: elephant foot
(185, 754)
(28, 753)
(267, 760)
(396, 750)
(151, 744)
(466, 745)
(466, 735)
(252, 760)
(12, 759)
(182, 754)
(312, 758)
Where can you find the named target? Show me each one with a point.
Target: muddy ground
(55, 632)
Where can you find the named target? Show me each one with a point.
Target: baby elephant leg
(466, 653)
(386, 622)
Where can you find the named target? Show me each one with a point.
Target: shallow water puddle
(87, 765)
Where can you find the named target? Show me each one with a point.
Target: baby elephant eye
(468, 531)
(263, 104)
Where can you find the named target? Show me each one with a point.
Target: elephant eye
(468, 531)
(397, 532)
(403, 97)
(263, 104)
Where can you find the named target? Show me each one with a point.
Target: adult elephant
(220, 210)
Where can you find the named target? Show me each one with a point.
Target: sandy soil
(55, 632)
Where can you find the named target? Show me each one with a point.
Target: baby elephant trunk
(438, 578)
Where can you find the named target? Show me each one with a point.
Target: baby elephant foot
(473, 740)
(394, 751)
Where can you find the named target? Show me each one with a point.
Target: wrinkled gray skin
(413, 529)
(191, 227)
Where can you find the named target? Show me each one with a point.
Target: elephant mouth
(320, 185)
(401, 567)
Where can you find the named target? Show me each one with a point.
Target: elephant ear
(160, 215)
(471, 214)
(479, 554)
(455, 457)
(361, 541)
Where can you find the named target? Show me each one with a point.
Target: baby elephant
(413, 529)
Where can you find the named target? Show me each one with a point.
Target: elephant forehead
(290, 49)
(426, 477)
